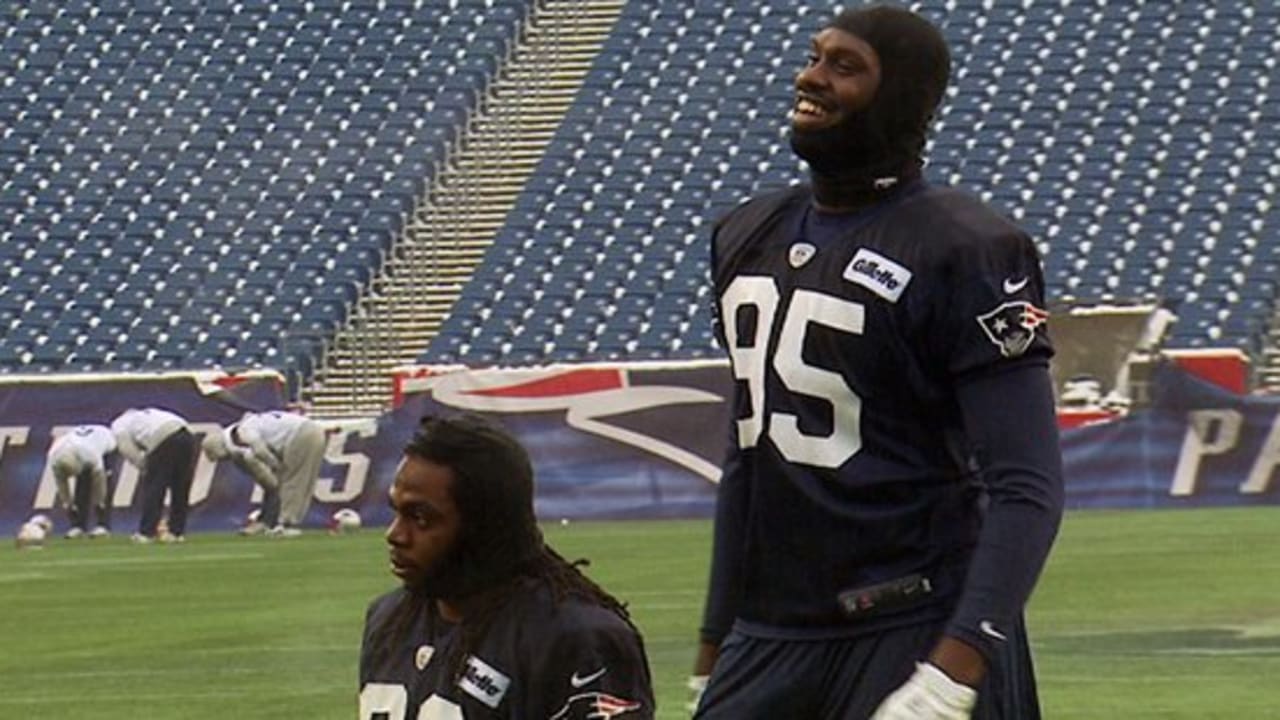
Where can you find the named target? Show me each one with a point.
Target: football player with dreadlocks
(490, 621)
(895, 482)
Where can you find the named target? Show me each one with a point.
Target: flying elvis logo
(595, 400)
(1012, 326)
(595, 706)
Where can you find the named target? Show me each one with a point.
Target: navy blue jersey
(539, 660)
(851, 463)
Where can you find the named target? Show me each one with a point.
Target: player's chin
(409, 575)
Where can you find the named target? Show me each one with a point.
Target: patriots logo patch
(1012, 326)
(595, 706)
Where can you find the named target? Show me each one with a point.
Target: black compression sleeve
(1011, 419)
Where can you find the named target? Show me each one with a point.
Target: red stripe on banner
(574, 382)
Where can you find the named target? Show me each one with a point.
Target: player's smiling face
(840, 78)
(423, 534)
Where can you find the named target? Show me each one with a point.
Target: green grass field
(1140, 615)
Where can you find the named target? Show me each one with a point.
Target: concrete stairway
(463, 210)
(1267, 377)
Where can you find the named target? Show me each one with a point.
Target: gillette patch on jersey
(878, 274)
(483, 682)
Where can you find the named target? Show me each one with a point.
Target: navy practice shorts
(845, 679)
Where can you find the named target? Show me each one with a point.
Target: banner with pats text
(627, 440)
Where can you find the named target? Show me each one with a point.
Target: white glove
(697, 685)
(928, 695)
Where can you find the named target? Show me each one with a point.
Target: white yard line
(176, 557)
(22, 577)
(137, 697)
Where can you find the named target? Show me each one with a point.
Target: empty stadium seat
(171, 129)
(1103, 161)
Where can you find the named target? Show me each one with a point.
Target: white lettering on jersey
(750, 360)
(878, 274)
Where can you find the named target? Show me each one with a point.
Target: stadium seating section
(202, 182)
(188, 183)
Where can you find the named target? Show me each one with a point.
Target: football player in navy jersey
(490, 621)
(894, 483)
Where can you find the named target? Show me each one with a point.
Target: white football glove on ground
(928, 695)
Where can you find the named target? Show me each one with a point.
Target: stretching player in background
(894, 484)
(80, 454)
(216, 447)
(283, 453)
(490, 621)
(159, 443)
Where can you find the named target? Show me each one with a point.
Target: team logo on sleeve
(596, 706)
(1012, 326)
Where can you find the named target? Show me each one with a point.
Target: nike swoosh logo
(578, 682)
(987, 628)
(1011, 287)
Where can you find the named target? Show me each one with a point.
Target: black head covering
(887, 138)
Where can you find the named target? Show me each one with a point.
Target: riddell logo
(878, 274)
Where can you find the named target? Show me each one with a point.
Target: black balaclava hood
(884, 143)
(493, 492)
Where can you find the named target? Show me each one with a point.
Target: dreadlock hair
(500, 552)
(561, 577)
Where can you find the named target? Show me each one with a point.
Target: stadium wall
(631, 440)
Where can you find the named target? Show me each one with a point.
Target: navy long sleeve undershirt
(1009, 417)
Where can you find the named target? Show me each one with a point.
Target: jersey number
(750, 358)
(383, 701)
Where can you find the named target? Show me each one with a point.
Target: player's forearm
(260, 473)
(263, 452)
(131, 452)
(961, 661)
(1022, 466)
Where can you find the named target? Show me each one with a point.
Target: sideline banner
(35, 410)
(644, 440)
(607, 441)
(622, 440)
(1196, 445)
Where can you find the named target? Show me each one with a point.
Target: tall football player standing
(894, 483)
